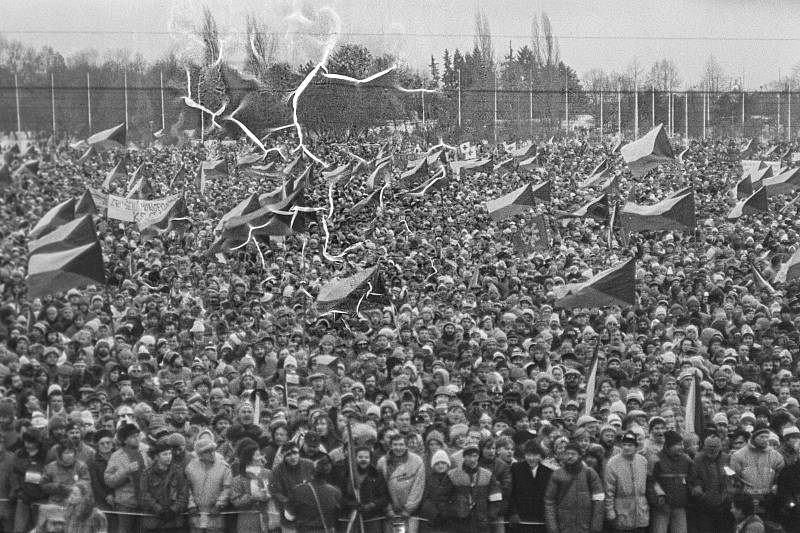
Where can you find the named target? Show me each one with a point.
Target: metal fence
(500, 114)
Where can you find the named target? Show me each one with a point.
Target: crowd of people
(203, 390)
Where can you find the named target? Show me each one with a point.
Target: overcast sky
(756, 37)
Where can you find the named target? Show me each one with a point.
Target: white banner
(140, 211)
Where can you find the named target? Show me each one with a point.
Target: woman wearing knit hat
(438, 492)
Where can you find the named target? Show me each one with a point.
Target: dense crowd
(203, 390)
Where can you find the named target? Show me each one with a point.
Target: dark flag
(73, 234)
(755, 203)
(670, 214)
(648, 152)
(745, 187)
(615, 286)
(58, 215)
(214, 169)
(111, 138)
(245, 207)
(5, 176)
(596, 208)
(179, 175)
(784, 183)
(175, 217)
(695, 418)
(518, 201)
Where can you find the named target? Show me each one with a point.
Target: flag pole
(423, 109)
(779, 110)
(53, 102)
(635, 109)
(125, 78)
(619, 112)
(495, 109)
(16, 93)
(89, 99)
(566, 102)
(653, 107)
(163, 123)
(601, 113)
(459, 98)
(530, 98)
(686, 115)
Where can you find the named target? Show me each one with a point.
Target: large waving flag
(615, 286)
(648, 152)
(784, 183)
(518, 201)
(56, 266)
(669, 214)
(596, 208)
(173, 216)
(30, 168)
(755, 203)
(416, 175)
(467, 168)
(745, 187)
(58, 215)
(436, 183)
(73, 234)
(111, 138)
(382, 174)
(790, 270)
(363, 290)
(245, 207)
(210, 170)
(528, 150)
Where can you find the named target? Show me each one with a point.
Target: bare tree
(209, 33)
(536, 41)
(551, 52)
(634, 72)
(596, 80)
(483, 38)
(664, 75)
(260, 49)
(714, 76)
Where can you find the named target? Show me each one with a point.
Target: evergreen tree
(434, 72)
(449, 77)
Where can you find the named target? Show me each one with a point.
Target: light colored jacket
(405, 481)
(626, 492)
(758, 468)
(209, 486)
(124, 482)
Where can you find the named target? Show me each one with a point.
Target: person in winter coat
(436, 507)
(27, 479)
(501, 471)
(710, 493)
(314, 506)
(668, 487)
(165, 491)
(370, 486)
(529, 479)
(404, 473)
(250, 489)
(476, 493)
(290, 472)
(210, 480)
(626, 488)
(758, 466)
(7, 460)
(123, 473)
(62, 474)
(573, 501)
(103, 495)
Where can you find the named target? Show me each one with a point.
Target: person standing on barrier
(405, 478)
(165, 491)
(210, 487)
(529, 480)
(123, 475)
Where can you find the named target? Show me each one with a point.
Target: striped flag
(755, 203)
(58, 215)
(518, 201)
(648, 152)
(591, 382)
(59, 264)
(761, 280)
(85, 205)
(382, 174)
(111, 138)
(213, 169)
(695, 419)
(615, 286)
(669, 214)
